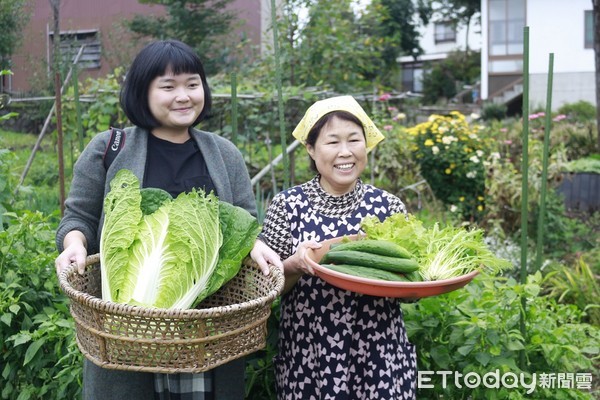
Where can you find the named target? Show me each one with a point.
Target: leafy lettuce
(442, 253)
(156, 251)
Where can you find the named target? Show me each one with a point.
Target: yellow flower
(479, 208)
(448, 171)
(428, 142)
(480, 198)
(461, 198)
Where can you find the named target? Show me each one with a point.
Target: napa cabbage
(156, 251)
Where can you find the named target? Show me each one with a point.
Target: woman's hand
(75, 251)
(296, 264)
(263, 255)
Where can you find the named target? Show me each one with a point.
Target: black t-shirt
(176, 167)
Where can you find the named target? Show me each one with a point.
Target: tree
(345, 49)
(203, 24)
(596, 10)
(393, 26)
(13, 17)
(457, 12)
(331, 48)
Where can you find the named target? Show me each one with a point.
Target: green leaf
(483, 358)
(441, 356)
(32, 350)
(8, 389)
(464, 350)
(590, 350)
(20, 338)
(532, 289)
(6, 371)
(6, 318)
(64, 323)
(514, 345)
(14, 308)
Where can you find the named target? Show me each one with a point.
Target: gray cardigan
(91, 182)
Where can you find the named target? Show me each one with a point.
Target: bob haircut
(152, 61)
(315, 131)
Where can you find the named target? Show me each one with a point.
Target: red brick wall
(31, 58)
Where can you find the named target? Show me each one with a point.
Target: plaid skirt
(184, 386)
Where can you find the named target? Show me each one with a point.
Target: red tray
(375, 287)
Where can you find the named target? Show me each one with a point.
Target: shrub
(575, 285)
(581, 111)
(443, 79)
(477, 330)
(38, 353)
(37, 345)
(450, 154)
(493, 111)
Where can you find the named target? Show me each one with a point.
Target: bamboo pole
(46, 125)
(542, 211)
(286, 172)
(77, 106)
(525, 156)
(61, 163)
(524, 186)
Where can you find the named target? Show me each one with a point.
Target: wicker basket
(227, 325)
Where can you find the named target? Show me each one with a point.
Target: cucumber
(381, 247)
(414, 276)
(353, 257)
(366, 272)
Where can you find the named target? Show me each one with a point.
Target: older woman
(333, 343)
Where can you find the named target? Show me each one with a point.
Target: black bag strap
(115, 144)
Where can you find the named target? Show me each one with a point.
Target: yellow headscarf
(340, 103)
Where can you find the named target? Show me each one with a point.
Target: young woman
(165, 94)
(333, 343)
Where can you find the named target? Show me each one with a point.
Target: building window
(71, 42)
(412, 78)
(589, 29)
(507, 19)
(444, 32)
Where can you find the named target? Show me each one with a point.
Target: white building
(438, 39)
(562, 27)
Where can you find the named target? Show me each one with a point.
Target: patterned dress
(333, 343)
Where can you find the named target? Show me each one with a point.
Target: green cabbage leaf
(156, 251)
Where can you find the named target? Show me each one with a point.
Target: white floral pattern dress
(333, 343)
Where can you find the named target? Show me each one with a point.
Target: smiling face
(175, 101)
(340, 155)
